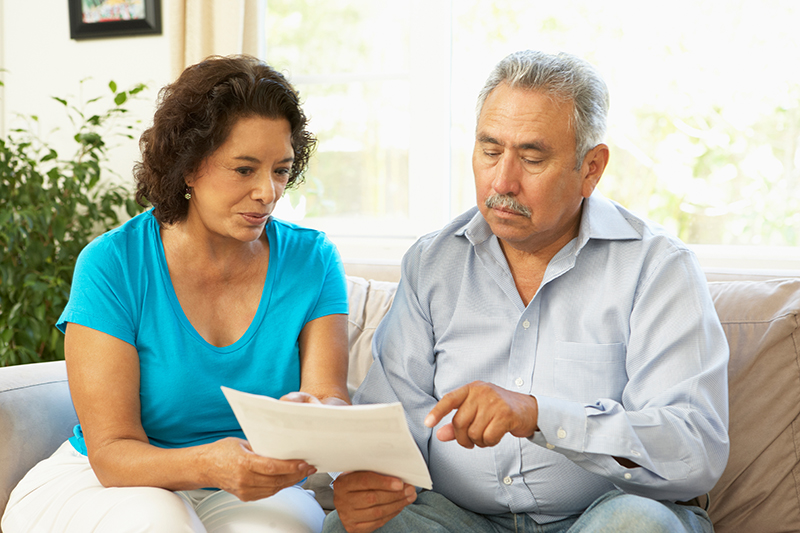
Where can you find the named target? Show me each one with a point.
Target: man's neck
(528, 264)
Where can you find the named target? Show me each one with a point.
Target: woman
(202, 291)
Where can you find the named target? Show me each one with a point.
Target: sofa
(759, 492)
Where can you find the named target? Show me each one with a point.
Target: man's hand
(365, 500)
(485, 412)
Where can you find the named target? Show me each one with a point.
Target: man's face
(524, 166)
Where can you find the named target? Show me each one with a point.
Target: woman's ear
(594, 164)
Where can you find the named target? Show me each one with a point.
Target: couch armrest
(36, 416)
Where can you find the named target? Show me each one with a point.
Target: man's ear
(594, 164)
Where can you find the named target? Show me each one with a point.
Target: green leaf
(60, 100)
(113, 86)
(59, 228)
(131, 207)
(120, 98)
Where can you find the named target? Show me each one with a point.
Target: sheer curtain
(200, 28)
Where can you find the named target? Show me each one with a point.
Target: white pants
(62, 494)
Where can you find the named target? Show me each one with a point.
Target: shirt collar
(600, 219)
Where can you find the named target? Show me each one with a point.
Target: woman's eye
(284, 173)
(244, 171)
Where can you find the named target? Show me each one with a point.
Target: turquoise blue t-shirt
(121, 286)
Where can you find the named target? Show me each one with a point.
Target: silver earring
(188, 194)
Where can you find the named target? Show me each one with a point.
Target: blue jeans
(614, 512)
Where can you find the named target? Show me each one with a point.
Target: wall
(42, 61)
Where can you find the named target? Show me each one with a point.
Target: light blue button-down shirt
(621, 346)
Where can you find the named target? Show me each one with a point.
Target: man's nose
(508, 174)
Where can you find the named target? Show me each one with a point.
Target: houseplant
(50, 208)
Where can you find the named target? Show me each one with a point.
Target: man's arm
(673, 415)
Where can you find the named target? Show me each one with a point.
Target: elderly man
(559, 359)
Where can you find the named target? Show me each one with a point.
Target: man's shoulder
(648, 233)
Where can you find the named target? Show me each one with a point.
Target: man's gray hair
(564, 77)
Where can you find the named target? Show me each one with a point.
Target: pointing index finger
(451, 400)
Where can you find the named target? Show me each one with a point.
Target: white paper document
(332, 438)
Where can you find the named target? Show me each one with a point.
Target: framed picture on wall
(91, 19)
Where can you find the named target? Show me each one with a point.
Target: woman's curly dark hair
(194, 117)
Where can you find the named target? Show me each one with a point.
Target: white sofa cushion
(369, 301)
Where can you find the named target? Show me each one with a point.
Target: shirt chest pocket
(587, 372)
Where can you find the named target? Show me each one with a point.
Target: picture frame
(95, 19)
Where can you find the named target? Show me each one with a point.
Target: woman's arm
(323, 360)
(103, 376)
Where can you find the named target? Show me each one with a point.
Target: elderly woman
(204, 290)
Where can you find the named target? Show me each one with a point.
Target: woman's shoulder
(134, 233)
(296, 235)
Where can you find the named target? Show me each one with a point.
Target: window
(704, 127)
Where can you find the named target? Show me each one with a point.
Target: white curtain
(200, 28)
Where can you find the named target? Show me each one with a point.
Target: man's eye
(487, 153)
(531, 161)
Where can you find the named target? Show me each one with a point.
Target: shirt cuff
(562, 424)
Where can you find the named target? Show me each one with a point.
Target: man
(559, 360)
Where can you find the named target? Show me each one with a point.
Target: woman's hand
(300, 397)
(304, 397)
(235, 468)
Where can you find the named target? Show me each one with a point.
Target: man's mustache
(506, 201)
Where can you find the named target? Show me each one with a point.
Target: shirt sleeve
(673, 416)
(403, 356)
(333, 290)
(98, 298)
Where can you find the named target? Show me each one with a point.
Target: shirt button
(550, 446)
(518, 382)
(561, 433)
(507, 480)
(627, 476)
(526, 324)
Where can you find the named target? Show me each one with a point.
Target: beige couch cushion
(760, 488)
(369, 301)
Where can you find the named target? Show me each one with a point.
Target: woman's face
(235, 189)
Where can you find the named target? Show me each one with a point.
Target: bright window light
(704, 127)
